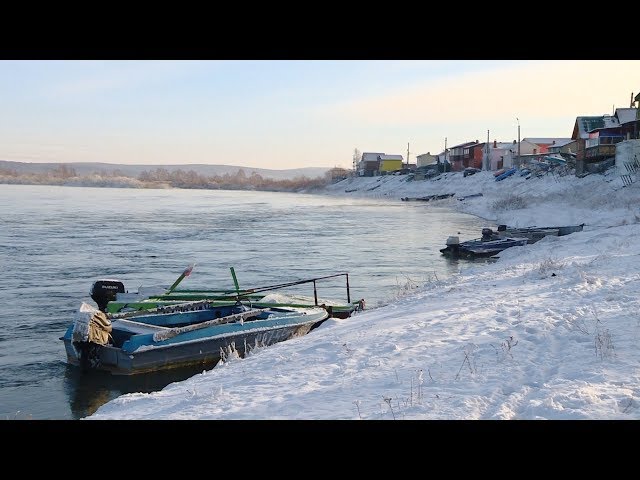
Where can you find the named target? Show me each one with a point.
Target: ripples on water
(55, 241)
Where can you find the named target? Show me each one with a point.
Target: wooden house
(426, 159)
(460, 156)
(596, 136)
(369, 164)
(477, 156)
(389, 163)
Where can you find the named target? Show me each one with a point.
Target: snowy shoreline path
(549, 331)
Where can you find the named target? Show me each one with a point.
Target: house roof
(626, 114)
(370, 156)
(563, 143)
(548, 141)
(462, 145)
(504, 145)
(587, 124)
(391, 157)
(591, 123)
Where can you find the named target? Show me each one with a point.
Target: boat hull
(535, 234)
(493, 243)
(134, 350)
(481, 248)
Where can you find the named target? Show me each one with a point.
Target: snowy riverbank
(549, 331)
(596, 200)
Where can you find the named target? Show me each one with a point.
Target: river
(56, 241)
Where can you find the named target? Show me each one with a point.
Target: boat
(473, 195)
(110, 296)
(478, 248)
(505, 174)
(194, 333)
(493, 242)
(534, 233)
(427, 198)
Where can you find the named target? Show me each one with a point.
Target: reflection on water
(456, 262)
(89, 391)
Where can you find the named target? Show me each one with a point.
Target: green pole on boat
(235, 281)
(186, 273)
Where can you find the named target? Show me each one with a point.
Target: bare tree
(356, 158)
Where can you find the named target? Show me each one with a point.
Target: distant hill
(87, 168)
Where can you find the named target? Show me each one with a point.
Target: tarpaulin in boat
(91, 325)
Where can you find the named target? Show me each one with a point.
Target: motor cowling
(487, 234)
(105, 291)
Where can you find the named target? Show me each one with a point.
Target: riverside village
(596, 143)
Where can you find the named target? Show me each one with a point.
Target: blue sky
(284, 114)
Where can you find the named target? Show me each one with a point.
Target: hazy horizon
(287, 114)
(162, 164)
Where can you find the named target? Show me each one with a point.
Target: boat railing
(239, 293)
(297, 282)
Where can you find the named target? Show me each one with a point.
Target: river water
(56, 241)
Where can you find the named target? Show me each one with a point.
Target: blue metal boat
(478, 248)
(196, 333)
(493, 242)
(506, 173)
(533, 233)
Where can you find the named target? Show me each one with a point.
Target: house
(369, 164)
(478, 153)
(596, 136)
(567, 146)
(539, 145)
(442, 160)
(501, 154)
(389, 163)
(426, 159)
(426, 171)
(460, 155)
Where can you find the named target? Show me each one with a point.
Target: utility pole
(518, 140)
(356, 159)
(407, 154)
(487, 160)
(445, 154)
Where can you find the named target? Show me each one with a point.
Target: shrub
(510, 202)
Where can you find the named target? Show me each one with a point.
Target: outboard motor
(453, 241)
(502, 228)
(487, 234)
(104, 291)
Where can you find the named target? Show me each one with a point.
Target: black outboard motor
(487, 234)
(104, 291)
